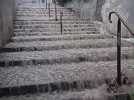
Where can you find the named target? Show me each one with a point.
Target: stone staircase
(40, 63)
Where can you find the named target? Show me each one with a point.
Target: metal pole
(55, 11)
(49, 9)
(119, 53)
(46, 4)
(61, 25)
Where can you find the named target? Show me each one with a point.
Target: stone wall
(98, 15)
(6, 20)
(90, 9)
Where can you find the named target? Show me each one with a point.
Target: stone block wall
(7, 13)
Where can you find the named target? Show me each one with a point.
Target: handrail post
(61, 25)
(119, 78)
(55, 11)
(119, 52)
(120, 21)
(49, 9)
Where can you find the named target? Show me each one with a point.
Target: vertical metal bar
(55, 11)
(46, 4)
(119, 53)
(49, 9)
(61, 25)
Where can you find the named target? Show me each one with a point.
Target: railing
(55, 10)
(61, 24)
(49, 10)
(120, 22)
(46, 4)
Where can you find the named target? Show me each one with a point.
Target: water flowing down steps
(41, 63)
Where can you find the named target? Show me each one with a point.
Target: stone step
(61, 76)
(52, 22)
(65, 30)
(46, 18)
(27, 26)
(44, 12)
(54, 33)
(35, 16)
(48, 88)
(63, 44)
(37, 8)
(85, 94)
(57, 45)
(63, 56)
(60, 37)
(74, 21)
(52, 27)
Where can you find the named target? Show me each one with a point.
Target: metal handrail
(123, 22)
(55, 10)
(120, 21)
(61, 23)
(46, 4)
(49, 10)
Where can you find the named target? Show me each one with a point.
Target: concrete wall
(6, 20)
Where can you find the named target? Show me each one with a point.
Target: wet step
(44, 13)
(26, 22)
(41, 21)
(56, 30)
(51, 88)
(75, 20)
(41, 26)
(42, 10)
(39, 8)
(29, 8)
(54, 33)
(85, 94)
(64, 44)
(94, 72)
(67, 27)
(28, 26)
(45, 17)
(37, 37)
(63, 56)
